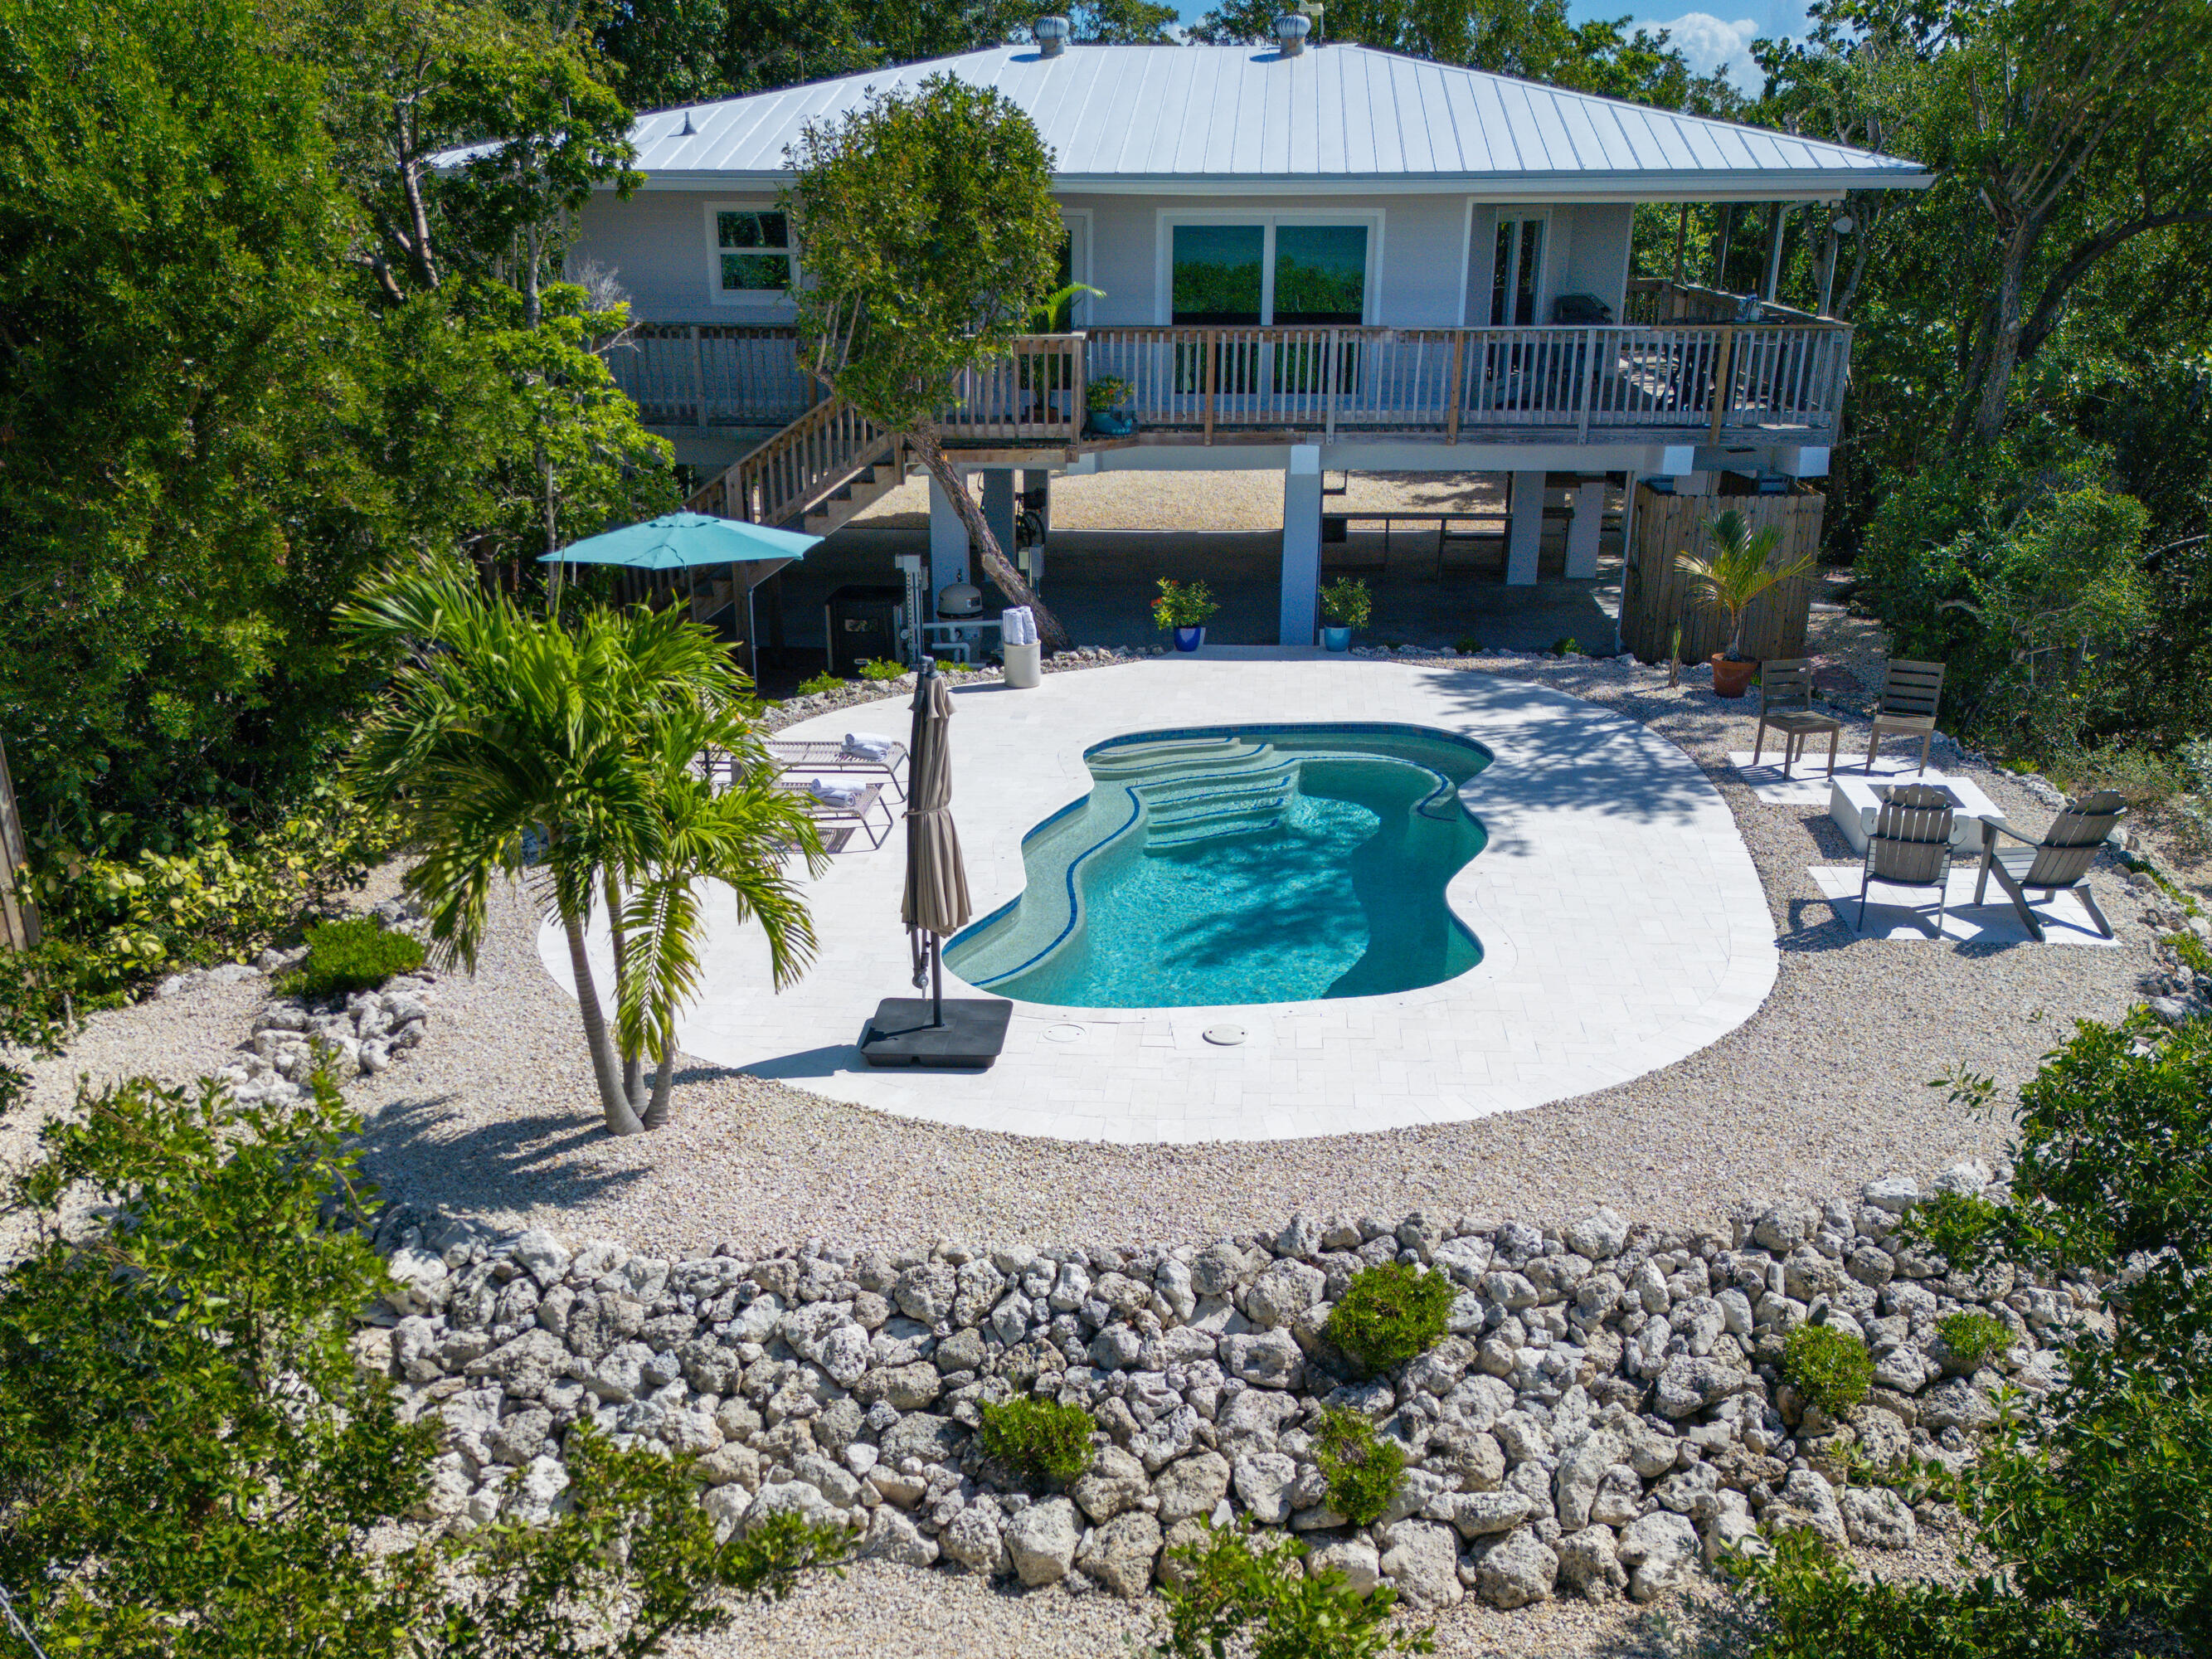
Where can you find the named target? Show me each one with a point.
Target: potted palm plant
(1346, 604)
(1728, 578)
(1184, 607)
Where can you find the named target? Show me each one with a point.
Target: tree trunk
(633, 1061)
(1987, 392)
(664, 1076)
(929, 449)
(620, 1120)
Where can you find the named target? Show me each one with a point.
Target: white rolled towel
(869, 746)
(1018, 626)
(835, 794)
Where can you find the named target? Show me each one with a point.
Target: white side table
(1856, 803)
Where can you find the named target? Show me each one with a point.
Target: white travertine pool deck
(1623, 924)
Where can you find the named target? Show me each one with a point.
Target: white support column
(948, 545)
(1525, 531)
(1301, 546)
(1582, 530)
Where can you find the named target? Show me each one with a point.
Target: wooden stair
(813, 476)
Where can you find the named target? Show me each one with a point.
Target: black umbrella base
(901, 1035)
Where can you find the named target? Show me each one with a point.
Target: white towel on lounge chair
(842, 795)
(869, 746)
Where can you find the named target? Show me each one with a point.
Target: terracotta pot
(1731, 679)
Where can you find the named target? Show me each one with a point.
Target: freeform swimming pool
(1239, 865)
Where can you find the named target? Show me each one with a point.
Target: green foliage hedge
(353, 955)
(1828, 1368)
(1230, 1594)
(1362, 1467)
(1045, 1443)
(1389, 1312)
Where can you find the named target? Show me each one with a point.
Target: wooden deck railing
(1646, 382)
(799, 467)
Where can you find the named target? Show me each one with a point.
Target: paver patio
(1622, 922)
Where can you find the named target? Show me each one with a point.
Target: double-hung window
(752, 252)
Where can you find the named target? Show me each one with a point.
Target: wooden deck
(1674, 382)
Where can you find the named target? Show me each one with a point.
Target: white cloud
(1711, 44)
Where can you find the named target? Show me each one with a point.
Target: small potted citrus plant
(1346, 604)
(1735, 575)
(1184, 607)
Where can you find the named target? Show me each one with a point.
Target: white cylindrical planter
(1023, 663)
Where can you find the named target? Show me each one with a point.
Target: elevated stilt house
(1314, 258)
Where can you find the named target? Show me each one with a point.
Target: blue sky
(1709, 38)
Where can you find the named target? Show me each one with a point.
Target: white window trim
(755, 298)
(1166, 219)
(1078, 270)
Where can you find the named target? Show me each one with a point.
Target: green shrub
(1567, 646)
(2191, 951)
(1362, 1467)
(1229, 1586)
(1389, 1312)
(1346, 602)
(876, 673)
(354, 954)
(815, 687)
(1467, 646)
(1827, 1368)
(1042, 1440)
(1974, 1337)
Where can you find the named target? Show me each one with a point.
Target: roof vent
(1290, 30)
(689, 131)
(1051, 36)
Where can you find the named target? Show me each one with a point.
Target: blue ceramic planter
(1189, 639)
(1336, 638)
(1105, 424)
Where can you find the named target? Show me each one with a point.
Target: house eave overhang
(1809, 185)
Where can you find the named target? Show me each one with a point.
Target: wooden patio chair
(2058, 863)
(1910, 692)
(1785, 704)
(1910, 846)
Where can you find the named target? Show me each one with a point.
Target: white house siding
(1433, 269)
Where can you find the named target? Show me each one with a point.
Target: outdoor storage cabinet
(863, 624)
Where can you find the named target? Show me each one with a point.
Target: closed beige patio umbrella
(914, 1031)
(936, 902)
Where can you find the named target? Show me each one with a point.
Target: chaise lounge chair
(851, 810)
(2058, 863)
(834, 754)
(1910, 692)
(1910, 846)
(1785, 702)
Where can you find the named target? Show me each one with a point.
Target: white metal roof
(1333, 118)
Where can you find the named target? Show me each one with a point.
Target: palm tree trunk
(656, 1114)
(621, 1119)
(633, 1061)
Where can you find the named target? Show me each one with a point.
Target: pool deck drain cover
(1063, 1034)
(1226, 1036)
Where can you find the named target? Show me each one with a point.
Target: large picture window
(752, 251)
(1271, 272)
(1216, 275)
(1320, 275)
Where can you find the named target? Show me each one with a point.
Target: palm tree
(515, 745)
(1736, 573)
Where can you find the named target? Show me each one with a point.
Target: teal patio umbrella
(685, 541)
(678, 541)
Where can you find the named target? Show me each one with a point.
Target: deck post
(1458, 360)
(1524, 532)
(1301, 600)
(1583, 530)
(999, 507)
(1329, 372)
(1723, 382)
(698, 379)
(1212, 374)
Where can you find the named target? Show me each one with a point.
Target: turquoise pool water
(1241, 864)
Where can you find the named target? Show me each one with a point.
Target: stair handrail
(798, 469)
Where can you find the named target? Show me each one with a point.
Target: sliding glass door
(1260, 275)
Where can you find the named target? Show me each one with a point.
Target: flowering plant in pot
(1103, 397)
(1346, 604)
(1184, 607)
(1734, 575)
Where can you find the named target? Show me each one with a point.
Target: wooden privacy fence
(19, 917)
(1656, 594)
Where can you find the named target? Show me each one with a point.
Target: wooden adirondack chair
(1910, 846)
(2058, 863)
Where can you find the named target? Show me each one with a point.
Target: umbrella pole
(936, 981)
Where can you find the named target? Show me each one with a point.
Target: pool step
(1257, 819)
(1190, 811)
